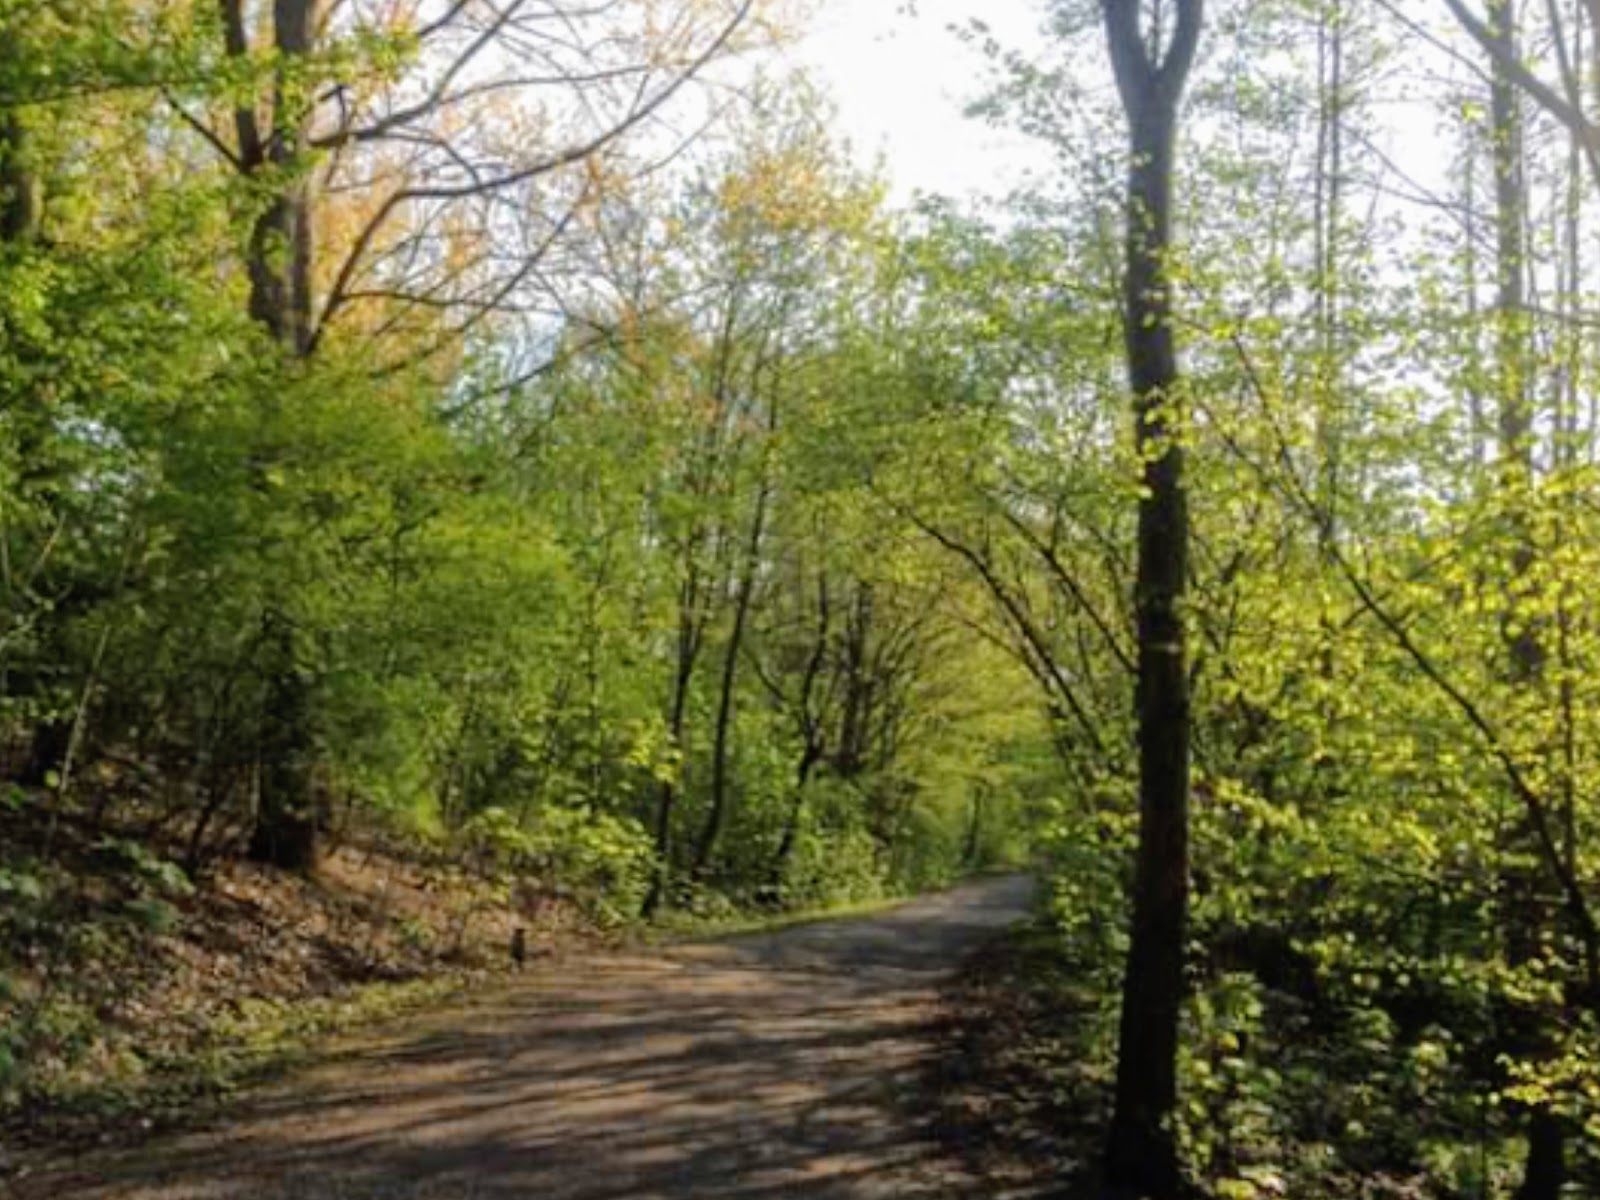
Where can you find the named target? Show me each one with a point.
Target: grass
(683, 926)
(674, 926)
(262, 1040)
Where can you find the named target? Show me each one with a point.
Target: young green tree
(1152, 68)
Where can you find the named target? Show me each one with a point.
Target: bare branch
(1567, 110)
(436, 94)
(1180, 54)
(210, 136)
(643, 108)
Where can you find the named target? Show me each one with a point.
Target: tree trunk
(1329, 375)
(47, 750)
(716, 815)
(809, 758)
(1141, 1152)
(19, 186)
(285, 833)
(1545, 1168)
(667, 798)
(815, 747)
(282, 247)
(974, 842)
(1511, 309)
(1544, 1174)
(279, 266)
(280, 269)
(856, 707)
(19, 225)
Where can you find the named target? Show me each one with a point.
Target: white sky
(900, 78)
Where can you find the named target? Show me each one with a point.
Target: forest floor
(1021, 1086)
(126, 1026)
(792, 1063)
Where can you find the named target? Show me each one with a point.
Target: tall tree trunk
(1329, 204)
(1476, 405)
(1511, 309)
(1545, 1170)
(279, 265)
(281, 251)
(281, 244)
(1329, 398)
(1141, 1151)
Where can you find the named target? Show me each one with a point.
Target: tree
(1565, 100)
(312, 109)
(1544, 1174)
(1151, 70)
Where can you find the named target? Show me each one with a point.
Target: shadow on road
(773, 1066)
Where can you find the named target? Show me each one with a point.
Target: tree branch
(209, 135)
(1568, 111)
(437, 93)
(236, 40)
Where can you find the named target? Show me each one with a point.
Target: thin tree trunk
(1545, 1168)
(1141, 1151)
(1475, 398)
(1511, 315)
(811, 729)
(1329, 205)
(855, 710)
(667, 797)
(716, 815)
(1544, 1174)
(974, 841)
(809, 758)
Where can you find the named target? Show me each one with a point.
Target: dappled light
(523, 536)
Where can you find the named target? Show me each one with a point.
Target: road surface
(757, 1068)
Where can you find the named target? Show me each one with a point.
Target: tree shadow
(782, 1065)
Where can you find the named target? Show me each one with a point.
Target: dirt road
(776, 1065)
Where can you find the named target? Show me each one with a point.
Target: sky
(900, 78)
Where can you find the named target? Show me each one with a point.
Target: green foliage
(604, 859)
(797, 570)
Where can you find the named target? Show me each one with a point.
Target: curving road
(757, 1068)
